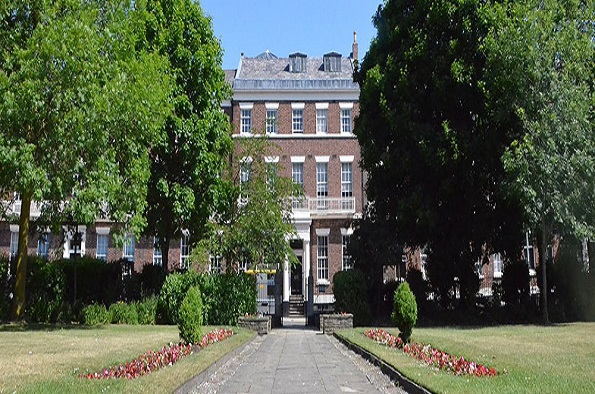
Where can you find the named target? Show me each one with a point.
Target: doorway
(296, 277)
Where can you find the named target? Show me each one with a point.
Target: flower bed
(431, 356)
(151, 361)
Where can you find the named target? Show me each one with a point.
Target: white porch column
(286, 281)
(306, 268)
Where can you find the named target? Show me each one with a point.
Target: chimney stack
(354, 48)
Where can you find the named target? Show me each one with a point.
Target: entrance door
(296, 277)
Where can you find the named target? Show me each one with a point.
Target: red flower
(431, 356)
(151, 361)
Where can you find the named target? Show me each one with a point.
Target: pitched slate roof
(267, 72)
(229, 76)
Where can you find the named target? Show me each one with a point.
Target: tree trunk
(21, 269)
(545, 233)
(164, 245)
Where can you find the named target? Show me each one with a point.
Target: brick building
(306, 106)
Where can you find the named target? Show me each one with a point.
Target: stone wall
(262, 325)
(329, 323)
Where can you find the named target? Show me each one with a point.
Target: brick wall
(285, 117)
(143, 253)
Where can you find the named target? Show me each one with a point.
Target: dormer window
(297, 62)
(332, 62)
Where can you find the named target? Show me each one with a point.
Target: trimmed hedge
(225, 296)
(350, 291)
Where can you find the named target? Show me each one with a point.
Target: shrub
(515, 283)
(570, 287)
(46, 296)
(234, 294)
(147, 310)
(405, 313)
(6, 287)
(122, 313)
(350, 291)
(94, 314)
(190, 316)
(172, 294)
(151, 280)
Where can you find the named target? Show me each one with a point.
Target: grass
(529, 359)
(49, 360)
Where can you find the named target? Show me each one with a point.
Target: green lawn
(49, 360)
(529, 359)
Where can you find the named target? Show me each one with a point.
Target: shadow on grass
(24, 327)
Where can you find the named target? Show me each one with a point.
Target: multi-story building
(306, 106)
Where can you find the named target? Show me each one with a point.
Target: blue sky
(314, 27)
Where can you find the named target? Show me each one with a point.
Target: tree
(542, 53)
(79, 109)
(373, 246)
(185, 184)
(428, 142)
(253, 225)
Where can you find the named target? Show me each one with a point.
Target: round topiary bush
(405, 311)
(190, 316)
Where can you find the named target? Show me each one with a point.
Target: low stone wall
(262, 325)
(329, 323)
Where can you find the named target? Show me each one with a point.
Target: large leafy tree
(431, 150)
(185, 184)
(542, 58)
(253, 224)
(79, 109)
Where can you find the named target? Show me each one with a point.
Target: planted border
(432, 356)
(152, 361)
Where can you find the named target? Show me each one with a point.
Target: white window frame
(14, 242)
(272, 118)
(102, 233)
(215, 264)
(43, 245)
(245, 172)
(423, 256)
(69, 247)
(346, 117)
(272, 170)
(529, 253)
(322, 256)
(297, 177)
(18, 202)
(347, 185)
(321, 118)
(347, 262)
(246, 118)
(129, 248)
(322, 185)
(498, 265)
(185, 250)
(157, 253)
(297, 118)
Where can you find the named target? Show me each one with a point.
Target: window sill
(324, 282)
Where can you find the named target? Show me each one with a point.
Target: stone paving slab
(293, 360)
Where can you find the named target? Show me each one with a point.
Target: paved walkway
(297, 360)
